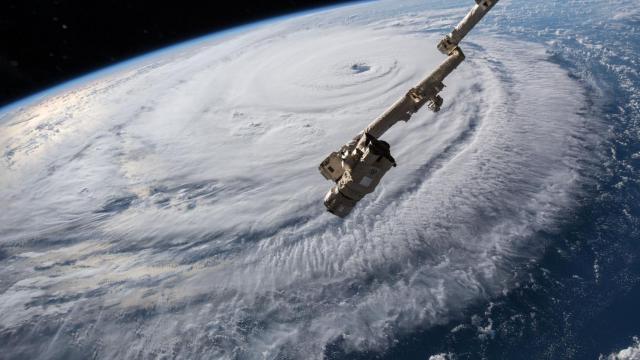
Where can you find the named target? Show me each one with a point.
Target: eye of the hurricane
(359, 68)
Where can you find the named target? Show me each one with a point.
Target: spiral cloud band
(174, 205)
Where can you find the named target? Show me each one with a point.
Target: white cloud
(630, 353)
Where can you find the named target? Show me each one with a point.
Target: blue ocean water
(580, 300)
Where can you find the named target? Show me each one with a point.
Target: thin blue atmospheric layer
(580, 300)
(158, 53)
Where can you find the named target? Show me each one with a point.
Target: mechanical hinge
(485, 4)
(435, 103)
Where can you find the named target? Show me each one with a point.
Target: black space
(45, 42)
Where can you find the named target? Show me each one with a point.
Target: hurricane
(171, 207)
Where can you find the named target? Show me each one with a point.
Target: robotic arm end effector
(357, 171)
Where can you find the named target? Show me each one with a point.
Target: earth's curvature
(171, 207)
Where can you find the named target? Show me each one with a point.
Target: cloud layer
(174, 207)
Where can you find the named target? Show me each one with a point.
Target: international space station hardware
(360, 164)
(451, 41)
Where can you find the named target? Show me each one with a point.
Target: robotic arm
(359, 165)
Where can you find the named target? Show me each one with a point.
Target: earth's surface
(171, 207)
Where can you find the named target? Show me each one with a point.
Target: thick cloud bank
(630, 353)
(174, 207)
